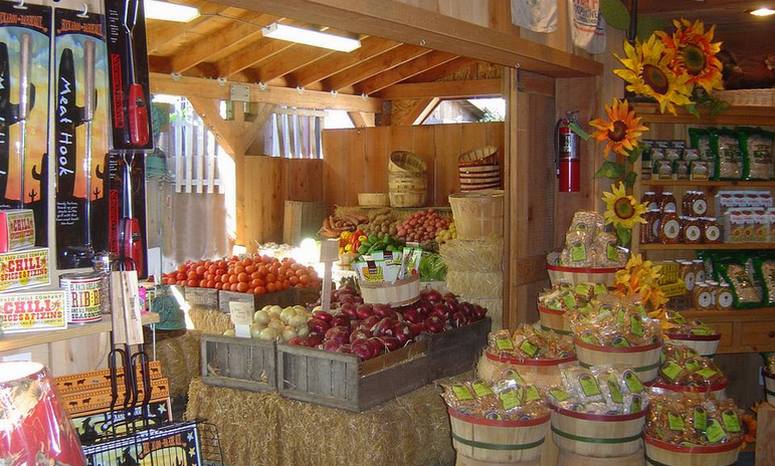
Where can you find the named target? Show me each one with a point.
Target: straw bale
(179, 358)
(462, 255)
(210, 321)
(475, 284)
(410, 430)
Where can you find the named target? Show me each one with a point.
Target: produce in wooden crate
(600, 390)
(422, 226)
(252, 274)
(381, 221)
(506, 399)
(280, 324)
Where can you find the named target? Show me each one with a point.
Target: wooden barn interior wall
(356, 160)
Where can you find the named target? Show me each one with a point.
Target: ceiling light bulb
(763, 11)
(310, 37)
(166, 11)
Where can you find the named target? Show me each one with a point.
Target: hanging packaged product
(24, 72)
(29, 312)
(129, 82)
(126, 217)
(24, 269)
(17, 230)
(80, 137)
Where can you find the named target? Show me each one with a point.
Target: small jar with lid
(713, 287)
(667, 202)
(700, 272)
(711, 233)
(697, 205)
(653, 218)
(724, 297)
(691, 228)
(670, 228)
(650, 198)
(701, 296)
(687, 274)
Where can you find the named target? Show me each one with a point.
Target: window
(467, 111)
(294, 133)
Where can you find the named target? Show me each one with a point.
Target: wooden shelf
(445, 208)
(754, 115)
(695, 247)
(741, 315)
(709, 184)
(23, 340)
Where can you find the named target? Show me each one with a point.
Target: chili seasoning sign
(24, 269)
(24, 312)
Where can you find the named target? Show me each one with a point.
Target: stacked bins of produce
(475, 259)
(407, 176)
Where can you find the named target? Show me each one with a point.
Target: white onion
(275, 310)
(298, 321)
(269, 333)
(299, 309)
(287, 313)
(302, 331)
(317, 308)
(261, 317)
(276, 324)
(288, 333)
(256, 329)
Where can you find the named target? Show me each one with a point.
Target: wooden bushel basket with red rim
(597, 435)
(659, 453)
(644, 360)
(704, 345)
(554, 320)
(535, 371)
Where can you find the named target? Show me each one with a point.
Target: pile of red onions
(369, 330)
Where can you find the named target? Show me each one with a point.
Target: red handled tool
(137, 106)
(130, 236)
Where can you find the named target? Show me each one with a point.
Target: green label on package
(675, 422)
(531, 394)
(700, 419)
(559, 394)
(707, 373)
(702, 330)
(481, 389)
(462, 393)
(512, 374)
(528, 348)
(504, 343)
(589, 385)
(588, 338)
(600, 289)
(636, 326)
(615, 391)
(715, 433)
(510, 399)
(578, 253)
(671, 370)
(692, 365)
(612, 253)
(637, 404)
(632, 381)
(621, 342)
(569, 301)
(731, 421)
(583, 288)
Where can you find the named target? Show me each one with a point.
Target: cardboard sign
(27, 312)
(24, 269)
(17, 230)
(241, 314)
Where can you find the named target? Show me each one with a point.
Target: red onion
(362, 349)
(341, 320)
(434, 324)
(391, 343)
(364, 311)
(332, 345)
(340, 334)
(318, 326)
(323, 315)
(359, 335)
(313, 339)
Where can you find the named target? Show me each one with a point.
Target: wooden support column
(511, 214)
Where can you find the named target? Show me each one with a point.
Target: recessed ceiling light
(310, 37)
(763, 11)
(166, 11)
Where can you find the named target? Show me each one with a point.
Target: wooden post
(511, 314)
(329, 253)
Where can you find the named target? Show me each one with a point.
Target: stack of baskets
(407, 176)
(475, 259)
(479, 169)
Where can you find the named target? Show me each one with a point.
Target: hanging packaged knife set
(100, 129)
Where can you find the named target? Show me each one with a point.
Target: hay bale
(210, 321)
(462, 255)
(475, 284)
(179, 358)
(410, 430)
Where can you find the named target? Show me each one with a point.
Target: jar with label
(699, 170)
(681, 169)
(667, 202)
(711, 232)
(692, 230)
(669, 228)
(646, 230)
(663, 169)
(697, 205)
(654, 218)
(724, 297)
(761, 226)
(691, 155)
(713, 287)
(699, 270)
(687, 274)
(701, 296)
(650, 199)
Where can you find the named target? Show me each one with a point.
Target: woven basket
(373, 199)
(662, 453)
(597, 435)
(717, 390)
(402, 161)
(481, 156)
(399, 293)
(705, 345)
(642, 359)
(478, 215)
(748, 97)
(544, 372)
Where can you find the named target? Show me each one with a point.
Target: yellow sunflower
(621, 209)
(621, 131)
(640, 279)
(694, 53)
(647, 70)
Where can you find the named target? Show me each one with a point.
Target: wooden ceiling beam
(444, 89)
(439, 72)
(374, 66)
(338, 62)
(211, 89)
(403, 72)
(250, 55)
(415, 114)
(289, 61)
(406, 23)
(161, 32)
(224, 40)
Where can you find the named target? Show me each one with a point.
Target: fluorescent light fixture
(166, 11)
(763, 11)
(310, 37)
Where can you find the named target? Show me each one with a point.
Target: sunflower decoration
(694, 53)
(621, 131)
(647, 70)
(621, 209)
(640, 279)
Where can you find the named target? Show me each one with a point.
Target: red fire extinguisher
(567, 154)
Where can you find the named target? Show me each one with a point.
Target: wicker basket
(373, 199)
(498, 442)
(559, 274)
(705, 345)
(556, 321)
(748, 97)
(407, 180)
(717, 390)
(642, 359)
(543, 372)
(402, 161)
(478, 215)
(597, 435)
(399, 293)
(663, 453)
(481, 156)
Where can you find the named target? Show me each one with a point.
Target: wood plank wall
(356, 160)
(270, 181)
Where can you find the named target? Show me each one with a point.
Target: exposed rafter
(159, 33)
(405, 71)
(442, 71)
(289, 61)
(373, 67)
(444, 89)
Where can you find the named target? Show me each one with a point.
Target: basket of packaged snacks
(389, 277)
(598, 412)
(691, 333)
(683, 370)
(618, 333)
(555, 304)
(589, 255)
(691, 430)
(529, 353)
(503, 422)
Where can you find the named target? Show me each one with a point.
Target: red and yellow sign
(24, 312)
(24, 269)
(17, 230)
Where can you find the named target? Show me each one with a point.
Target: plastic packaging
(530, 342)
(598, 390)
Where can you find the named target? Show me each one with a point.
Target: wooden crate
(343, 381)
(243, 363)
(289, 297)
(302, 220)
(201, 298)
(458, 350)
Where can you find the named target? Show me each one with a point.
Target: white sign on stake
(241, 316)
